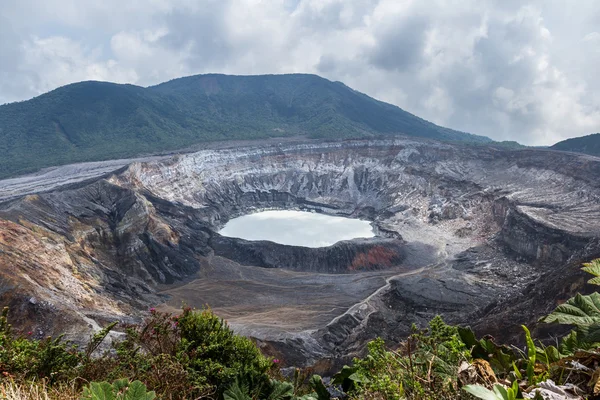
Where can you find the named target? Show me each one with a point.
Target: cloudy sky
(508, 69)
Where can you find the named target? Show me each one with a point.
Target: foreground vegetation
(196, 355)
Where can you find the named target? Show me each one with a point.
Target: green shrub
(217, 355)
(188, 356)
(193, 354)
(51, 359)
(424, 367)
(121, 389)
(277, 390)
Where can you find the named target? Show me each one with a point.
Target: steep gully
(484, 236)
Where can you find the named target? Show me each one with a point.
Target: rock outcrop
(342, 257)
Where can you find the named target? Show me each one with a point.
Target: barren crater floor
(258, 301)
(484, 236)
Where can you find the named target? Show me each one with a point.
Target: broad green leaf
(317, 384)
(87, 393)
(358, 378)
(137, 391)
(467, 336)
(499, 357)
(120, 384)
(583, 339)
(579, 310)
(570, 344)
(348, 376)
(594, 281)
(547, 355)
(481, 392)
(345, 378)
(501, 392)
(589, 334)
(99, 391)
(281, 390)
(593, 267)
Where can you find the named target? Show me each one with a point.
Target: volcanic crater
(482, 235)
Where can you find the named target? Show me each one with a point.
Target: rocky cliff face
(342, 257)
(480, 235)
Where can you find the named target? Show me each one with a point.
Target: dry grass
(11, 390)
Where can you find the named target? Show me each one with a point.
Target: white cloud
(593, 37)
(510, 70)
(142, 52)
(57, 61)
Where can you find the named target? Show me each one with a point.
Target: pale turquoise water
(297, 228)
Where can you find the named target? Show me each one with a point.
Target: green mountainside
(589, 144)
(91, 121)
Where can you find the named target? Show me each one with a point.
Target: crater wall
(478, 234)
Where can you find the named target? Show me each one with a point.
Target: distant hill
(589, 144)
(91, 121)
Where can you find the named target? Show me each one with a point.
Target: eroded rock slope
(481, 235)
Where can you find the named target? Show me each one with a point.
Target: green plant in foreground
(51, 359)
(277, 390)
(424, 367)
(593, 267)
(500, 357)
(583, 312)
(531, 357)
(193, 354)
(121, 389)
(215, 354)
(196, 355)
(498, 392)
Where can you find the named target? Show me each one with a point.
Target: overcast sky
(508, 69)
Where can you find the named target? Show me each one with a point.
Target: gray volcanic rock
(342, 257)
(484, 236)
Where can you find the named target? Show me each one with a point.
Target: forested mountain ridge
(589, 144)
(91, 120)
